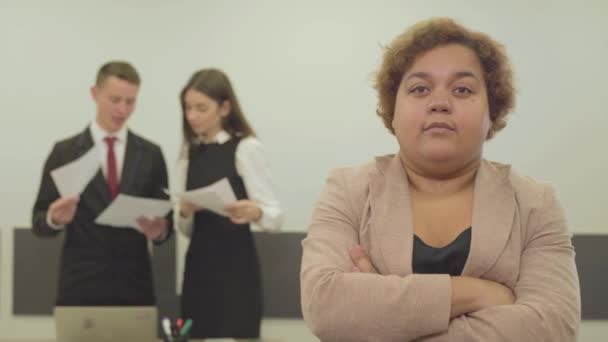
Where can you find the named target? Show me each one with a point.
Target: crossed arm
(344, 299)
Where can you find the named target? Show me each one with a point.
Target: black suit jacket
(102, 265)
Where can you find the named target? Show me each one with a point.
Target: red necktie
(112, 173)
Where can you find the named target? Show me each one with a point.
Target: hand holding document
(213, 197)
(125, 210)
(71, 179)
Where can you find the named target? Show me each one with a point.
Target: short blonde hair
(426, 35)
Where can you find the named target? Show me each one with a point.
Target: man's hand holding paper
(126, 211)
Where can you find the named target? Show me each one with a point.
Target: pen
(186, 328)
(167, 328)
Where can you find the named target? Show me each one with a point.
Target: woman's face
(441, 110)
(204, 114)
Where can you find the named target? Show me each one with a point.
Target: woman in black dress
(221, 290)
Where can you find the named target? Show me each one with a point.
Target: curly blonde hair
(426, 35)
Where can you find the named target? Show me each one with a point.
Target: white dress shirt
(120, 145)
(99, 134)
(253, 168)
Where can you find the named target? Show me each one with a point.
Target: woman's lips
(439, 127)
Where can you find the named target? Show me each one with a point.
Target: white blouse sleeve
(253, 168)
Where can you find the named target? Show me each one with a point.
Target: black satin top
(449, 259)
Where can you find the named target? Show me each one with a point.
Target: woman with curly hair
(436, 243)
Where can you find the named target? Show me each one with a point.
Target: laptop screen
(99, 324)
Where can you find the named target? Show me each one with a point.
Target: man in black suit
(102, 265)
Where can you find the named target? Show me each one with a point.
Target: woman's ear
(225, 108)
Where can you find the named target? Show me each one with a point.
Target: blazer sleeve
(340, 305)
(47, 194)
(162, 183)
(548, 305)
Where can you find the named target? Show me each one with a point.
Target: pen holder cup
(180, 338)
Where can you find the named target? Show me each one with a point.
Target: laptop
(106, 323)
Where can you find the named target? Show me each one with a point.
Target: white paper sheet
(125, 209)
(212, 197)
(71, 179)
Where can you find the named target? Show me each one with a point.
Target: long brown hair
(215, 84)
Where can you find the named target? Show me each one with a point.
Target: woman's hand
(361, 261)
(187, 209)
(494, 294)
(244, 211)
(473, 294)
(468, 294)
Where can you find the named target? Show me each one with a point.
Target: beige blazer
(519, 238)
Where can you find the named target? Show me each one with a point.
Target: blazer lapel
(391, 214)
(100, 184)
(131, 163)
(493, 215)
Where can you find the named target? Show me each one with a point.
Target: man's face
(115, 99)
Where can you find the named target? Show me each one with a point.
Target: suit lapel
(102, 192)
(131, 162)
(391, 214)
(493, 215)
(84, 142)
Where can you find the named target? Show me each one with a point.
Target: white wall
(303, 72)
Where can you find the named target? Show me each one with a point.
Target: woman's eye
(462, 91)
(419, 90)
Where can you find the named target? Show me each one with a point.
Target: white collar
(98, 133)
(220, 138)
